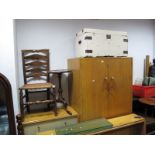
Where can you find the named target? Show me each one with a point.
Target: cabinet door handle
(106, 83)
(93, 80)
(111, 84)
(106, 78)
(112, 78)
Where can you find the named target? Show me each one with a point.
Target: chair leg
(27, 100)
(27, 95)
(48, 98)
(48, 94)
(65, 106)
(28, 108)
(21, 103)
(54, 101)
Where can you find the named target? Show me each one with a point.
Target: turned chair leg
(48, 98)
(20, 128)
(27, 100)
(53, 94)
(65, 106)
(21, 102)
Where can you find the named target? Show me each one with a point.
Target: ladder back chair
(36, 78)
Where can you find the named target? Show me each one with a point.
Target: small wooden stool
(60, 97)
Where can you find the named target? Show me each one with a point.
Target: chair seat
(38, 86)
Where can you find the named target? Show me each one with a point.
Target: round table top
(148, 101)
(59, 71)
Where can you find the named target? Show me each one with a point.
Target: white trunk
(94, 42)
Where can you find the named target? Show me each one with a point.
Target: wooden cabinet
(101, 87)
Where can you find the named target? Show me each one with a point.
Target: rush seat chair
(36, 79)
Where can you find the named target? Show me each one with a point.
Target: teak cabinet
(101, 87)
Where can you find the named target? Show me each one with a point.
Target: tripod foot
(68, 112)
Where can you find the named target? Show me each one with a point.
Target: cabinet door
(120, 86)
(87, 90)
(100, 73)
(93, 84)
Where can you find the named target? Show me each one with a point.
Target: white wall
(59, 35)
(7, 57)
